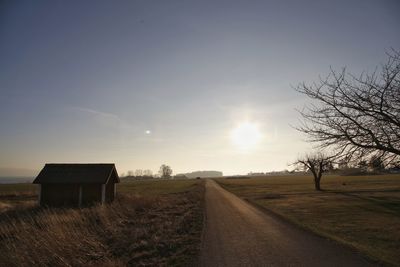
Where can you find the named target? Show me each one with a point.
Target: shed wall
(110, 192)
(59, 194)
(91, 193)
(76, 194)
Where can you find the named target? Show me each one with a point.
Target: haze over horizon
(204, 85)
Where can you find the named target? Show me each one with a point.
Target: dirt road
(238, 234)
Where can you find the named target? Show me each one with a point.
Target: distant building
(76, 184)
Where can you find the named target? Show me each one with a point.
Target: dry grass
(362, 212)
(17, 196)
(136, 230)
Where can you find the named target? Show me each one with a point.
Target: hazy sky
(142, 83)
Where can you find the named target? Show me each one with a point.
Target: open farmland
(361, 211)
(150, 223)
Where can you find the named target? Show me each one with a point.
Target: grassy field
(361, 211)
(152, 223)
(157, 187)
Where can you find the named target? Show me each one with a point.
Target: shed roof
(67, 173)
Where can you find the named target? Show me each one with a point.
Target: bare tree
(147, 173)
(165, 171)
(317, 163)
(138, 172)
(356, 116)
(376, 164)
(363, 165)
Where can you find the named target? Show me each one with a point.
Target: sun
(246, 135)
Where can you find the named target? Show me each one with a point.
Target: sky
(197, 85)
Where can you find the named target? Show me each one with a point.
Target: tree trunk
(317, 182)
(317, 179)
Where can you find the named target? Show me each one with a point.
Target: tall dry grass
(132, 231)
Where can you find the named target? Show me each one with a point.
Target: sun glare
(246, 135)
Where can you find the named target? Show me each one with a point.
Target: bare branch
(356, 116)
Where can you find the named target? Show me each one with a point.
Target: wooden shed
(76, 184)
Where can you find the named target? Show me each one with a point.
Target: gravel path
(238, 234)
